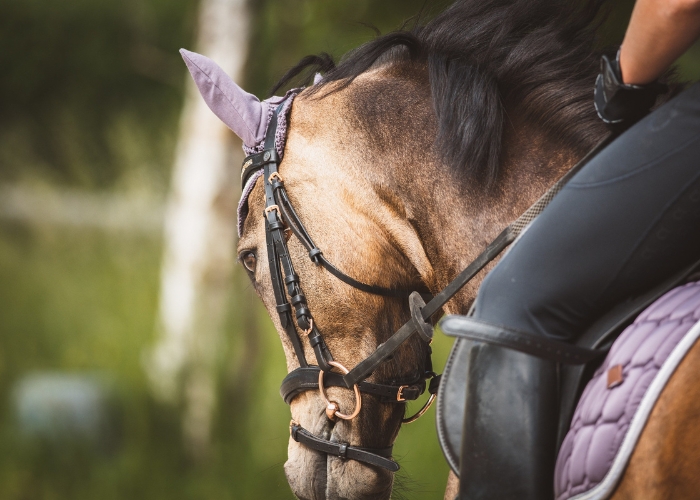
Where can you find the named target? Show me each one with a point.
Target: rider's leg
(507, 439)
(629, 219)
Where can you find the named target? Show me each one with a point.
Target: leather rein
(279, 216)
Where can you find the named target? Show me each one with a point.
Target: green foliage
(287, 30)
(76, 301)
(76, 74)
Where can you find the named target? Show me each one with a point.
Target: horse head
(355, 218)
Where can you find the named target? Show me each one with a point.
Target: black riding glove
(620, 103)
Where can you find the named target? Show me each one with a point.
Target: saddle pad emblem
(615, 376)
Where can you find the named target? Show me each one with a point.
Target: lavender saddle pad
(618, 400)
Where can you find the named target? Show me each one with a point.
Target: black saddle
(572, 378)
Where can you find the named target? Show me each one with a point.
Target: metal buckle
(331, 406)
(399, 394)
(275, 175)
(310, 329)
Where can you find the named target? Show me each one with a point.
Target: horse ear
(240, 111)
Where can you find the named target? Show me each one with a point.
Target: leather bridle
(279, 216)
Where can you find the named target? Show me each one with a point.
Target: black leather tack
(254, 163)
(472, 329)
(298, 299)
(303, 322)
(379, 457)
(283, 308)
(277, 255)
(323, 355)
(306, 379)
(434, 384)
(285, 282)
(303, 313)
(424, 329)
(292, 278)
(314, 253)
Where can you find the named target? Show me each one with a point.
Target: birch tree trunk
(200, 222)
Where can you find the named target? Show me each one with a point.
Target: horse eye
(249, 260)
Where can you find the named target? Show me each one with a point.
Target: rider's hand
(658, 33)
(620, 103)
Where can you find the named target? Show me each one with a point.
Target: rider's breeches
(626, 221)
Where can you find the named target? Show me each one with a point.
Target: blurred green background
(90, 95)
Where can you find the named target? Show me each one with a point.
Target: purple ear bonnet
(242, 112)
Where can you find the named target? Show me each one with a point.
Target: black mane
(488, 57)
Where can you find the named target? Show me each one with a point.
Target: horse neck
(455, 221)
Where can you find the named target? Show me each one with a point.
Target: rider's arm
(658, 33)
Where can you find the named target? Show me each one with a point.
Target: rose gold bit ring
(331, 406)
(420, 413)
